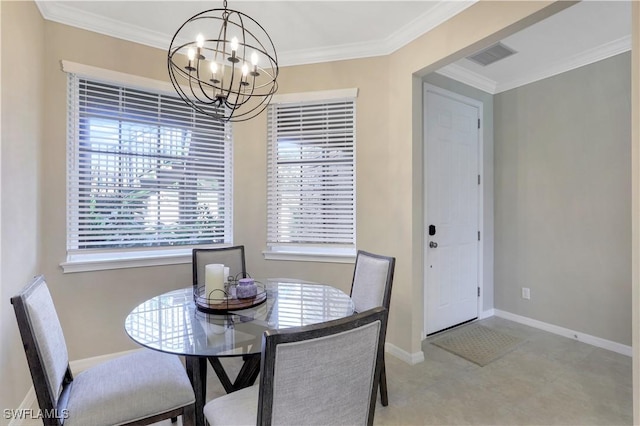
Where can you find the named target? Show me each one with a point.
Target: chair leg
(188, 416)
(384, 398)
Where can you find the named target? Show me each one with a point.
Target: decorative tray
(227, 302)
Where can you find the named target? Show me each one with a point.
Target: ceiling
(307, 31)
(579, 35)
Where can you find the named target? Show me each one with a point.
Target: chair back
(232, 257)
(44, 345)
(324, 373)
(372, 281)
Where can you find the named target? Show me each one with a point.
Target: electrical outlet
(526, 293)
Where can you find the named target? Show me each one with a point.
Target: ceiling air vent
(491, 54)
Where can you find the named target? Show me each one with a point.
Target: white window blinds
(144, 170)
(311, 175)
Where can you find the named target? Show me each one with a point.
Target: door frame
(427, 87)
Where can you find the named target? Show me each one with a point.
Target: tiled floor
(548, 380)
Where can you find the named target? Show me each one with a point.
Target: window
(146, 174)
(311, 178)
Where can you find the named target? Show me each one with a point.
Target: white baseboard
(487, 314)
(409, 358)
(30, 401)
(571, 334)
(27, 403)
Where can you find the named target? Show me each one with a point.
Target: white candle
(213, 281)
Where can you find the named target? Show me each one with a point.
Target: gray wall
(487, 178)
(562, 199)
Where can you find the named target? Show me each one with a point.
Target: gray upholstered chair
(322, 374)
(371, 287)
(141, 388)
(232, 257)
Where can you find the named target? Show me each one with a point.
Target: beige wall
(92, 306)
(107, 296)
(562, 185)
(22, 107)
(369, 76)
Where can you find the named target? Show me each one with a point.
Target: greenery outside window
(147, 176)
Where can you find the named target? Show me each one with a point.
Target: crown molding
(442, 11)
(64, 14)
(463, 75)
(329, 54)
(439, 13)
(581, 59)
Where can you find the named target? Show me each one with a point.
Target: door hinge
(478, 179)
(478, 291)
(478, 123)
(478, 235)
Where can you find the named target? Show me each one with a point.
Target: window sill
(301, 256)
(121, 260)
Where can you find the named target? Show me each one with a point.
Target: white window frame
(308, 252)
(104, 259)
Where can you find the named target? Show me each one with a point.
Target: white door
(452, 144)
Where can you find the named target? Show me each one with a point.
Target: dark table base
(197, 371)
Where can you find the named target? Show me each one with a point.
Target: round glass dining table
(172, 323)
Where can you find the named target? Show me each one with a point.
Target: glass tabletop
(171, 322)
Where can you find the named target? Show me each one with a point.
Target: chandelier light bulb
(254, 62)
(245, 72)
(233, 94)
(234, 49)
(200, 44)
(214, 70)
(191, 54)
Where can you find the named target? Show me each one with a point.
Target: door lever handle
(433, 244)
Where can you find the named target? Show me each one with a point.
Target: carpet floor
(546, 380)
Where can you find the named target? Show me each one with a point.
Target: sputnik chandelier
(223, 64)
